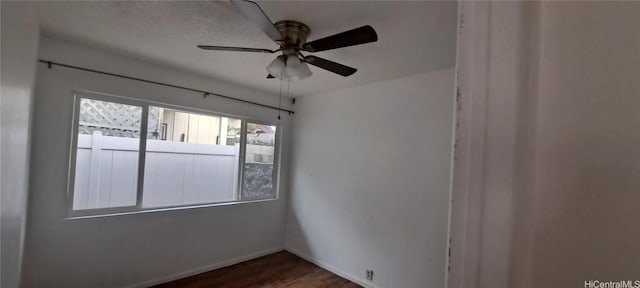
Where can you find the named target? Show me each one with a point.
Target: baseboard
(332, 269)
(203, 269)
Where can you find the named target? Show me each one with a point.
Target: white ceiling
(414, 37)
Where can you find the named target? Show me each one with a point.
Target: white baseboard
(203, 269)
(332, 269)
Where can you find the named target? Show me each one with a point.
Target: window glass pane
(233, 131)
(259, 160)
(188, 160)
(106, 170)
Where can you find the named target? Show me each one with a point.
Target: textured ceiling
(414, 37)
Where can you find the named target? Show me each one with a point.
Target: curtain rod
(204, 93)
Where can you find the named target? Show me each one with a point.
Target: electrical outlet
(370, 275)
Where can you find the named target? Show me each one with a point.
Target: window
(107, 153)
(258, 161)
(131, 155)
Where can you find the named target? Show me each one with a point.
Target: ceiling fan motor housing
(294, 34)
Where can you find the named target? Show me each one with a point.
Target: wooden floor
(278, 270)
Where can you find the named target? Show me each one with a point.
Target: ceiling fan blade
(362, 35)
(330, 65)
(237, 49)
(254, 13)
(270, 76)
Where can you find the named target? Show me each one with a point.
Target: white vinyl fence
(176, 173)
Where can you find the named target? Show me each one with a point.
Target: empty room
(320, 144)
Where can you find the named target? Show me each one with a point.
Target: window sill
(88, 213)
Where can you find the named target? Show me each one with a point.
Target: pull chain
(280, 97)
(280, 100)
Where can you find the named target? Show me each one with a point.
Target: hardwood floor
(279, 270)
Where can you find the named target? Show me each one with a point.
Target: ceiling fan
(291, 38)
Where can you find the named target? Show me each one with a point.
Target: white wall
(370, 172)
(19, 53)
(139, 249)
(547, 152)
(587, 194)
(493, 143)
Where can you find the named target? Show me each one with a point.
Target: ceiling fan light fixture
(276, 67)
(296, 69)
(292, 70)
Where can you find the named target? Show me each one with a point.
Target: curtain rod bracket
(49, 64)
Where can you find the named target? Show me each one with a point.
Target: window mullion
(142, 154)
(243, 148)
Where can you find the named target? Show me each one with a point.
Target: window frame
(78, 95)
